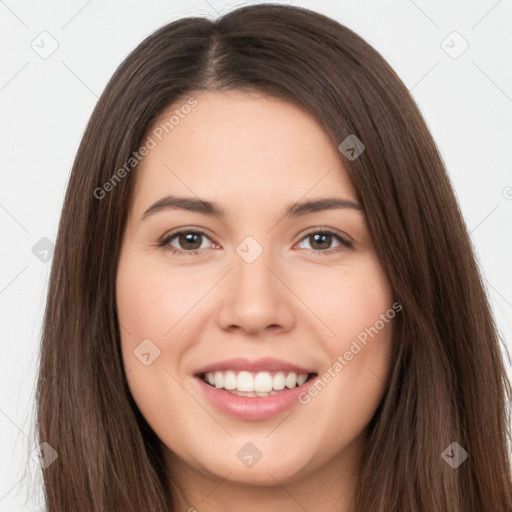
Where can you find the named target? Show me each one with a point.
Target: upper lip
(266, 364)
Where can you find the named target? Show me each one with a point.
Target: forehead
(240, 146)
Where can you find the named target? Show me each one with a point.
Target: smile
(254, 405)
(255, 384)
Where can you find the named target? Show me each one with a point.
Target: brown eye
(186, 241)
(321, 242)
(190, 240)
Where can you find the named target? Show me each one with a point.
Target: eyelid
(325, 229)
(165, 238)
(185, 228)
(346, 242)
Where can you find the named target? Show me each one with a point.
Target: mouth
(255, 384)
(244, 401)
(253, 389)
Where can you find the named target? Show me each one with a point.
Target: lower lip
(253, 408)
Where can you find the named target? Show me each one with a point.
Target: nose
(255, 297)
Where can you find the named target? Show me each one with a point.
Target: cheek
(153, 301)
(347, 301)
(149, 305)
(357, 309)
(363, 321)
(352, 387)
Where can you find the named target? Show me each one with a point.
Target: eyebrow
(214, 210)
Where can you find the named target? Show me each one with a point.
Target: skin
(290, 303)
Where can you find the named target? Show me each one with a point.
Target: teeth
(261, 383)
(219, 379)
(230, 380)
(303, 377)
(279, 381)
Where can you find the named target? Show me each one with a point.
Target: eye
(322, 238)
(189, 241)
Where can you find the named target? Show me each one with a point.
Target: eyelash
(164, 241)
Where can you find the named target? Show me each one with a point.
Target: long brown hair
(448, 382)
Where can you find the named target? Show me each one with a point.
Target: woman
(326, 341)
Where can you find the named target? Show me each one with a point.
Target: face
(259, 298)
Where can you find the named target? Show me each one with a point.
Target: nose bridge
(253, 281)
(252, 261)
(254, 298)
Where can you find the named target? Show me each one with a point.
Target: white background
(45, 104)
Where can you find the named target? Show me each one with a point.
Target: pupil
(318, 239)
(190, 238)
